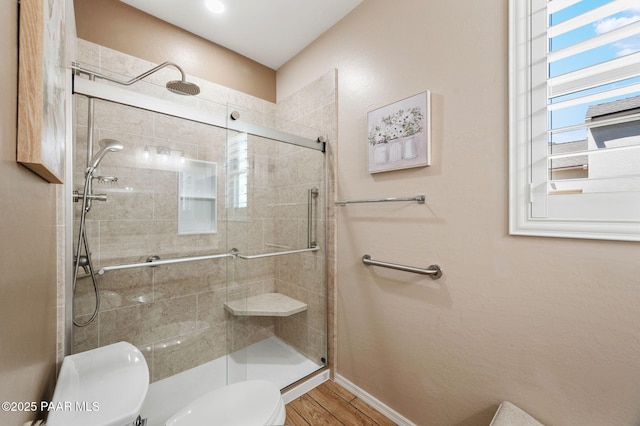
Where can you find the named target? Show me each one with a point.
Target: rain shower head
(181, 87)
(106, 145)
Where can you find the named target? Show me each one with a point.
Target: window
(575, 118)
(237, 173)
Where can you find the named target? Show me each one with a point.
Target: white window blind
(575, 118)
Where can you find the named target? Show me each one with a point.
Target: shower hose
(84, 242)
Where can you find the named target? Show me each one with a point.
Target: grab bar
(154, 261)
(420, 199)
(279, 253)
(434, 270)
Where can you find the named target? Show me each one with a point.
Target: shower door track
(119, 95)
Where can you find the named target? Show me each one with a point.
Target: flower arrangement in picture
(400, 124)
(399, 134)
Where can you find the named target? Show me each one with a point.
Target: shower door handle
(313, 193)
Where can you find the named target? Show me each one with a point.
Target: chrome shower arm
(181, 87)
(81, 70)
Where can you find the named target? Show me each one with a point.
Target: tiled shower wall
(277, 220)
(175, 313)
(306, 277)
(172, 313)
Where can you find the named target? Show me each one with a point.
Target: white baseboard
(305, 387)
(373, 402)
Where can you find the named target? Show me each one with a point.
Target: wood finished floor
(331, 404)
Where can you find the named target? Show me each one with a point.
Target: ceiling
(268, 31)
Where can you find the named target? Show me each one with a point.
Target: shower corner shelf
(267, 304)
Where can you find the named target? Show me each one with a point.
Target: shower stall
(207, 238)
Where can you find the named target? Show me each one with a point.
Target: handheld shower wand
(106, 145)
(80, 259)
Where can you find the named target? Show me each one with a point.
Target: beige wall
(549, 324)
(27, 254)
(119, 26)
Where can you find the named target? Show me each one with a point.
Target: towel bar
(279, 253)
(418, 198)
(153, 261)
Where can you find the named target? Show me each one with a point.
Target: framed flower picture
(400, 134)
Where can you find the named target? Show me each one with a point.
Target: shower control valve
(98, 197)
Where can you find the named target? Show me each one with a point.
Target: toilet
(249, 403)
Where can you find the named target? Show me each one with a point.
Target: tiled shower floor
(271, 359)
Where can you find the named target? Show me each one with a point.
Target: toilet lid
(249, 403)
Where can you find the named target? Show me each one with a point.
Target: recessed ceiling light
(216, 6)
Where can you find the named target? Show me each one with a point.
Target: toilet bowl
(249, 403)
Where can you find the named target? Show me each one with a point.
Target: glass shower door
(276, 307)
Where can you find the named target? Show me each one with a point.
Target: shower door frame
(93, 89)
(109, 93)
